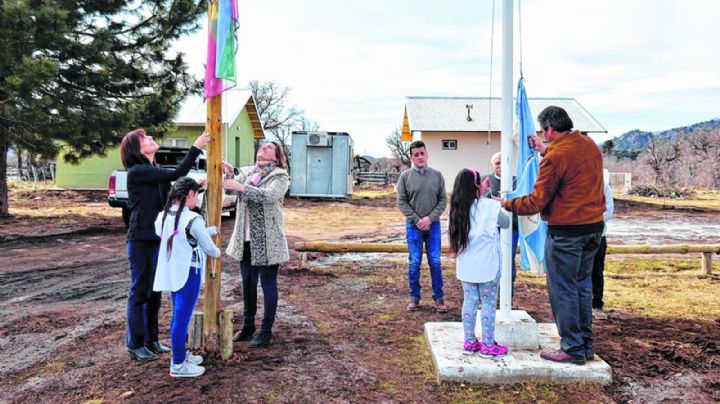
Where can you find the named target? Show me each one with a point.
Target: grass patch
(373, 193)
(53, 367)
(29, 185)
(674, 287)
(661, 288)
(707, 199)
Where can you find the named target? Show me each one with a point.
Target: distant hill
(637, 140)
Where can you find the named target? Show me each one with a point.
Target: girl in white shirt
(184, 241)
(475, 242)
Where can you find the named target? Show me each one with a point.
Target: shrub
(660, 191)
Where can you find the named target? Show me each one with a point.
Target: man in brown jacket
(569, 194)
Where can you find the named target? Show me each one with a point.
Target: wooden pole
(330, 247)
(707, 262)
(214, 194)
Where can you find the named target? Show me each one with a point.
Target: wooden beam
(707, 265)
(331, 247)
(214, 195)
(225, 334)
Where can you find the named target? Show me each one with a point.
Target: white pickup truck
(168, 157)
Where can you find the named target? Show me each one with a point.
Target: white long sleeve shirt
(480, 261)
(172, 272)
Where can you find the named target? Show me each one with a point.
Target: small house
(321, 164)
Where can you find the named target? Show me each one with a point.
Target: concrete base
(518, 331)
(518, 365)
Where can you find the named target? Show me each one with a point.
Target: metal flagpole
(506, 154)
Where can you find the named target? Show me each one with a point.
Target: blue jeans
(569, 261)
(416, 238)
(268, 278)
(143, 306)
(183, 302)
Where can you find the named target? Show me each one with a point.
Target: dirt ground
(342, 334)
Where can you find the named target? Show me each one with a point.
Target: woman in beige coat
(258, 240)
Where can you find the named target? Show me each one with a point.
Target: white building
(463, 132)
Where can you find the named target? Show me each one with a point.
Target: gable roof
(449, 114)
(193, 111)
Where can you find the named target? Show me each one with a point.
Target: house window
(449, 144)
(175, 142)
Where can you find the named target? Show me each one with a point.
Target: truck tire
(126, 217)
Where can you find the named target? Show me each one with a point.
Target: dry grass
(658, 286)
(335, 220)
(373, 193)
(706, 199)
(662, 287)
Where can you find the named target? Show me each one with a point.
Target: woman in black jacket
(147, 186)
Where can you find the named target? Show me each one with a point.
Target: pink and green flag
(220, 68)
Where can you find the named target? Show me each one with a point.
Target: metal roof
(193, 111)
(449, 114)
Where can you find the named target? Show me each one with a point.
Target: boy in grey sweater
(422, 199)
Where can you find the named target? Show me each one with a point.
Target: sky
(640, 64)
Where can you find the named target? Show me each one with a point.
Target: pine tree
(80, 74)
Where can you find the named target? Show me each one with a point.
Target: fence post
(707, 262)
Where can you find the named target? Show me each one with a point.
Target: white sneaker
(186, 369)
(194, 359)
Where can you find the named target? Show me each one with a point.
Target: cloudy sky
(640, 64)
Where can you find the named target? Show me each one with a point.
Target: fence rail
(384, 178)
(40, 172)
(707, 250)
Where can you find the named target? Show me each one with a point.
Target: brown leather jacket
(569, 187)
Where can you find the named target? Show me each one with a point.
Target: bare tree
(278, 118)
(398, 148)
(271, 100)
(660, 156)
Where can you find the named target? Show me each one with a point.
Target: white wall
(472, 152)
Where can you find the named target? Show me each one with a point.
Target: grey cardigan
(268, 245)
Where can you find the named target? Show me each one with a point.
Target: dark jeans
(431, 239)
(569, 267)
(598, 283)
(183, 302)
(143, 306)
(268, 278)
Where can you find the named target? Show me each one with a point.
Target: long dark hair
(130, 154)
(464, 194)
(179, 192)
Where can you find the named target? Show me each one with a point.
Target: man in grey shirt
(422, 199)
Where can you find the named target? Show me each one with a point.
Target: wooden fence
(379, 178)
(707, 250)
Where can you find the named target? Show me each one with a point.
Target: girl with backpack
(475, 242)
(184, 243)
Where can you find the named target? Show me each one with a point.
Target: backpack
(190, 238)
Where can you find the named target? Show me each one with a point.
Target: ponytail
(178, 193)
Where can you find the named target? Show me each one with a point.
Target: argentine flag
(532, 229)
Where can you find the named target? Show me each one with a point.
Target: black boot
(142, 354)
(262, 339)
(158, 348)
(245, 333)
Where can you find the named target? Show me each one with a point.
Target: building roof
(193, 111)
(449, 114)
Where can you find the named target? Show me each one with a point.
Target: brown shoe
(440, 306)
(563, 357)
(414, 305)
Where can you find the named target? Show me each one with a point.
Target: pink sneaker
(491, 351)
(470, 348)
